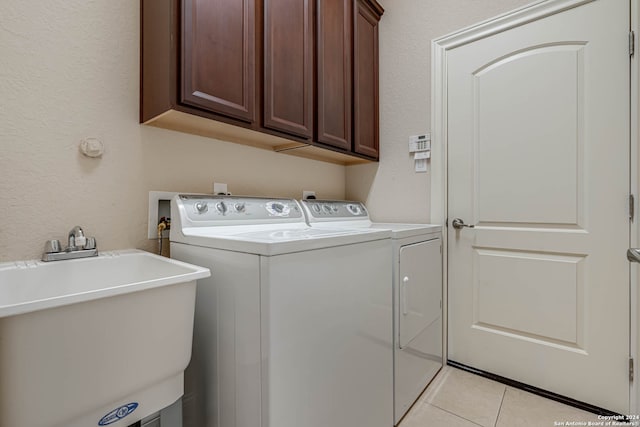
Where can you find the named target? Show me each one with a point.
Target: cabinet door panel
(365, 80)
(334, 106)
(288, 66)
(218, 52)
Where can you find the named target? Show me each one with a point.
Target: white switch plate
(421, 165)
(306, 194)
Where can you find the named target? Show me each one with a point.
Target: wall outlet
(306, 194)
(220, 188)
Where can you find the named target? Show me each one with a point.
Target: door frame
(439, 160)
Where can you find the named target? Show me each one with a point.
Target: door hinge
(631, 369)
(632, 43)
(632, 207)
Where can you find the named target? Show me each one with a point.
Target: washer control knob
(201, 207)
(354, 209)
(239, 207)
(278, 209)
(316, 208)
(221, 207)
(327, 208)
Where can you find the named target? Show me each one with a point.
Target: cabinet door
(334, 106)
(288, 66)
(218, 57)
(365, 57)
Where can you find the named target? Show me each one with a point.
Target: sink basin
(95, 341)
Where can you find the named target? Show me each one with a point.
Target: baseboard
(535, 390)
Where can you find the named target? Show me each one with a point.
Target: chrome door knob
(458, 224)
(633, 254)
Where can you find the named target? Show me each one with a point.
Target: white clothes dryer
(417, 293)
(293, 328)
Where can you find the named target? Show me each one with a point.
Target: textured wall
(69, 71)
(391, 189)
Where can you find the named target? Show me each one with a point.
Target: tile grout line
(454, 414)
(504, 393)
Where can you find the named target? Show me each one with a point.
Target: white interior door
(538, 149)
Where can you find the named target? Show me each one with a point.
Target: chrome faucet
(76, 239)
(78, 246)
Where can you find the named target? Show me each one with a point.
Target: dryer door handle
(404, 295)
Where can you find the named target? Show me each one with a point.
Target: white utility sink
(94, 341)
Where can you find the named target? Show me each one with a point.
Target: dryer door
(420, 282)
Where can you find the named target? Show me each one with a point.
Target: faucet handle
(52, 246)
(91, 243)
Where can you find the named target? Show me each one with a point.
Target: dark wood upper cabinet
(218, 57)
(365, 58)
(293, 76)
(334, 43)
(288, 66)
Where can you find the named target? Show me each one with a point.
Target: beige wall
(391, 189)
(70, 71)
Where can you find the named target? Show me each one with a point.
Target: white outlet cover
(219, 188)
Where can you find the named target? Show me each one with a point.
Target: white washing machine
(293, 328)
(417, 293)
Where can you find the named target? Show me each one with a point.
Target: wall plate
(155, 211)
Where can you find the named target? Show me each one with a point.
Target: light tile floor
(457, 398)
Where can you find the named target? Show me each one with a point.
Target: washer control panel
(234, 208)
(335, 209)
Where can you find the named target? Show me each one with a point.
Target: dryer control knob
(278, 209)
(239, 207)
(222, 208)
(201, 207)
(354, 209)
